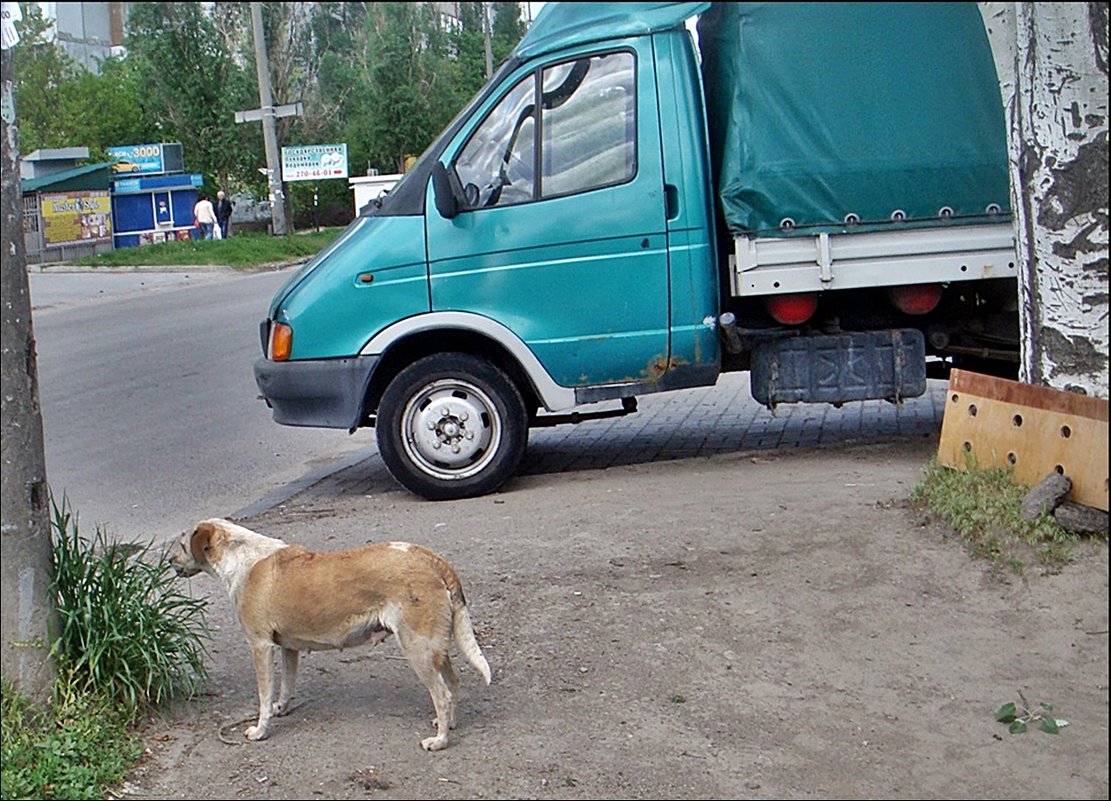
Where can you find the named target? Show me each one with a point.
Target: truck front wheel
(451, 426)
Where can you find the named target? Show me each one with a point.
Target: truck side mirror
(448, 201)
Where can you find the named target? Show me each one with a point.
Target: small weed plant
(127, 640)
(983, 505)
(1018, 717)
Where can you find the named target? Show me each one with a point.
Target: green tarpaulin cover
(821, 110)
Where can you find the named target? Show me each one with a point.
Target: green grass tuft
(127, 641)
(126, 632)
(983, 506)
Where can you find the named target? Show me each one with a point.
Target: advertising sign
(314, 162)
(69, 217)
(146, 159)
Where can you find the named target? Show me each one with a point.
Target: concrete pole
(26, 557)
(269, 130)
(486, 34)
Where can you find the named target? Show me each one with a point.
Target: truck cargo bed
(769, 266)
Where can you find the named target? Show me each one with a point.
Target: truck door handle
(671, 201)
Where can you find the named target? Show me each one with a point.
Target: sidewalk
(703, 422)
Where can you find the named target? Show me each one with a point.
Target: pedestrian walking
(204, 215)
(223, 210)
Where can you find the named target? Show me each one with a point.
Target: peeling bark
(1052, 60)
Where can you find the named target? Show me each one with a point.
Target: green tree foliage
(59, 104)
(419, 71)
(508, 28)
(41, 70)
(313, 57)
(406, 90)
(191, 88)
(384, 78)
(99, 111)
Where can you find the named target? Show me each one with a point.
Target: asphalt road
(149, 404)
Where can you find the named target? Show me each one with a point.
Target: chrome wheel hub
(451, 429)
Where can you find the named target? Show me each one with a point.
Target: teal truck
(815, 193)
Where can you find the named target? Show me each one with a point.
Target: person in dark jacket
(223, 208)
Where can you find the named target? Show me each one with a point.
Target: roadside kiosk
(152, 197)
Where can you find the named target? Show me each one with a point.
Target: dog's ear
(201, 541)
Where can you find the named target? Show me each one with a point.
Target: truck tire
(450, 426)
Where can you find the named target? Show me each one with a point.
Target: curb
(135, 268)
(163, 268)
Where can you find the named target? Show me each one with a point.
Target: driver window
(496, 167)
(589, 132)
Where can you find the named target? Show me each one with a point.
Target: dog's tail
(464, 633)
(461, 626)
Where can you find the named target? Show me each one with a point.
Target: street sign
(314, 162)
(256, 114)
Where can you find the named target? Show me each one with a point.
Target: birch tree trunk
(27, 610)
(1052, 61)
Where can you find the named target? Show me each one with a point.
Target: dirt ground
(778, 625)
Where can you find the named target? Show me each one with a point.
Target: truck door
(562, 237)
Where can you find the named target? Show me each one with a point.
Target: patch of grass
(76, 748)
(126, 632)
(983, 505)
(128, 641)
(241, 251)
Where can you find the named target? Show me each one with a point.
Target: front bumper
(320, 393)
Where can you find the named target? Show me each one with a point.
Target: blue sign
(142, 159)
(146, 159)
(128, 186)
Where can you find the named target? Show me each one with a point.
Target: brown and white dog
(297, 600)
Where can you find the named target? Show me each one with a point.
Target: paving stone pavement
(678, 425)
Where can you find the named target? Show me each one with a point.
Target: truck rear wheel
(451, 426)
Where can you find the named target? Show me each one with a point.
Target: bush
(126, 633)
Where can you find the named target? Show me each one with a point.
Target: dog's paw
(281, 708)
(434, 743)
(255, 733)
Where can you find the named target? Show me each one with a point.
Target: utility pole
(486, 40)
(269, 130)
(26, 562)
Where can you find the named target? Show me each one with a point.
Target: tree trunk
(27, 608)
(1052, 60)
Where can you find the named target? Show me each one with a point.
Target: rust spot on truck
(657, 367)
(660, 365)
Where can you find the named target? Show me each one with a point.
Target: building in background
(66, 204)
(89, 32)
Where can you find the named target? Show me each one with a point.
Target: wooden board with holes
(1034, 430)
